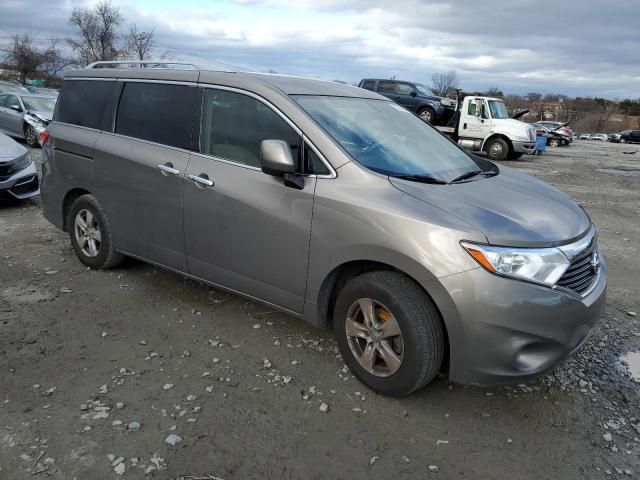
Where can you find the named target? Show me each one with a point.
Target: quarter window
(314, 165)
(368, 84)
(83, 102)
(234, 125)
(160, 113)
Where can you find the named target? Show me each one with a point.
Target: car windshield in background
(498, 109)
(422, 90)
(39, 104)
(388, 139)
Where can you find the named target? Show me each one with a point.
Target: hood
(43, 115)
(511, 209)
(519, 114)
(10, 149)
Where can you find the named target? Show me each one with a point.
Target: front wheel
(427, 115)
(554, 142)
(497, 149)
(30, 136)
(389, 332)
(90, 234)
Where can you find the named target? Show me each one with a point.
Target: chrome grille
(581, 272)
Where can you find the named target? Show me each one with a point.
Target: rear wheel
(389, 332)
(497, 149)
(554, 142)
(90, 234)
(30, 136)
(427, 114)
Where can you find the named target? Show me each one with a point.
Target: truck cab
(483, 124)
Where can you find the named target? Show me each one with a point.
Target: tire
(419, 348)
(496, 149)
(554, 142)
(514, 155)
(30, 136)
(96, 251)
(427, 114)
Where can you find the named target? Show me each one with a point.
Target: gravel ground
(138, 372)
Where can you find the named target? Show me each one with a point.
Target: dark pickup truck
(415, 97)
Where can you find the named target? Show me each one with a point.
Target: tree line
(102, 35)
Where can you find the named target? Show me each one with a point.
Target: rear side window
(160, 113)
(387, 87)
(83, 102)
(368, 84)
(233, 125)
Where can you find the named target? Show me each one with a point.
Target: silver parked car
(18, 175)
(333, 204)
(25, 115)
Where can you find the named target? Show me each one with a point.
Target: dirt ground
(98, 369)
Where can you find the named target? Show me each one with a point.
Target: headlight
(538, 265)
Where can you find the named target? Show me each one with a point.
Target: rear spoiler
(519, 114)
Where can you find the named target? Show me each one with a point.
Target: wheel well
(503, 137)
(69, 198)
(338, 278)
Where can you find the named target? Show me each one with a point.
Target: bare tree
(99, 38)
(54, 61)
(140, 44)
(23, 55)
(444, 83)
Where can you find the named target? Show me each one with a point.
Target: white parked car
(603, 137)
(585, 136)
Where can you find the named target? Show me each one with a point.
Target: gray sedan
(25, 116)
(18, 175)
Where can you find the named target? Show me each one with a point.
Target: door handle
(201, 180)
(167, 169)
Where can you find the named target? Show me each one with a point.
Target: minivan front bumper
(508, 331)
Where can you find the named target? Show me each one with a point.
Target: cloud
(574, 47)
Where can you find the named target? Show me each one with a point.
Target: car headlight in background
(21, 163)
(538, 265)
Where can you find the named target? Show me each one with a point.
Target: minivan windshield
(386, 138)
(498, 109)
(39, 104)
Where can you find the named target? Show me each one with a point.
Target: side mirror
(275, 158)
(17, 108)
(413, 93)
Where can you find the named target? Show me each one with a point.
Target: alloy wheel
(374, 337)
(426, 115)
(87, 231)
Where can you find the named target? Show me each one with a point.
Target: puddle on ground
(631, 362)
(620, 172)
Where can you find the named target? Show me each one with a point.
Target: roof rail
(140, 64)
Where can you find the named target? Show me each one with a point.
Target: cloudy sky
(576, 47)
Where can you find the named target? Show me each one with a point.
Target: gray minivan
(333, 204)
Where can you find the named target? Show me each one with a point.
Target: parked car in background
(630, 136)
(601, 137)
(585, 136)
(415, 97)
(563, 128)
(444, 258)
(25, 115)
(52, 92)
(615, 137)
(18, 175)
(554, 137)
(12, 87)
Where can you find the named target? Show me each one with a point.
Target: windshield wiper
(474, 173)
(422, 179)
